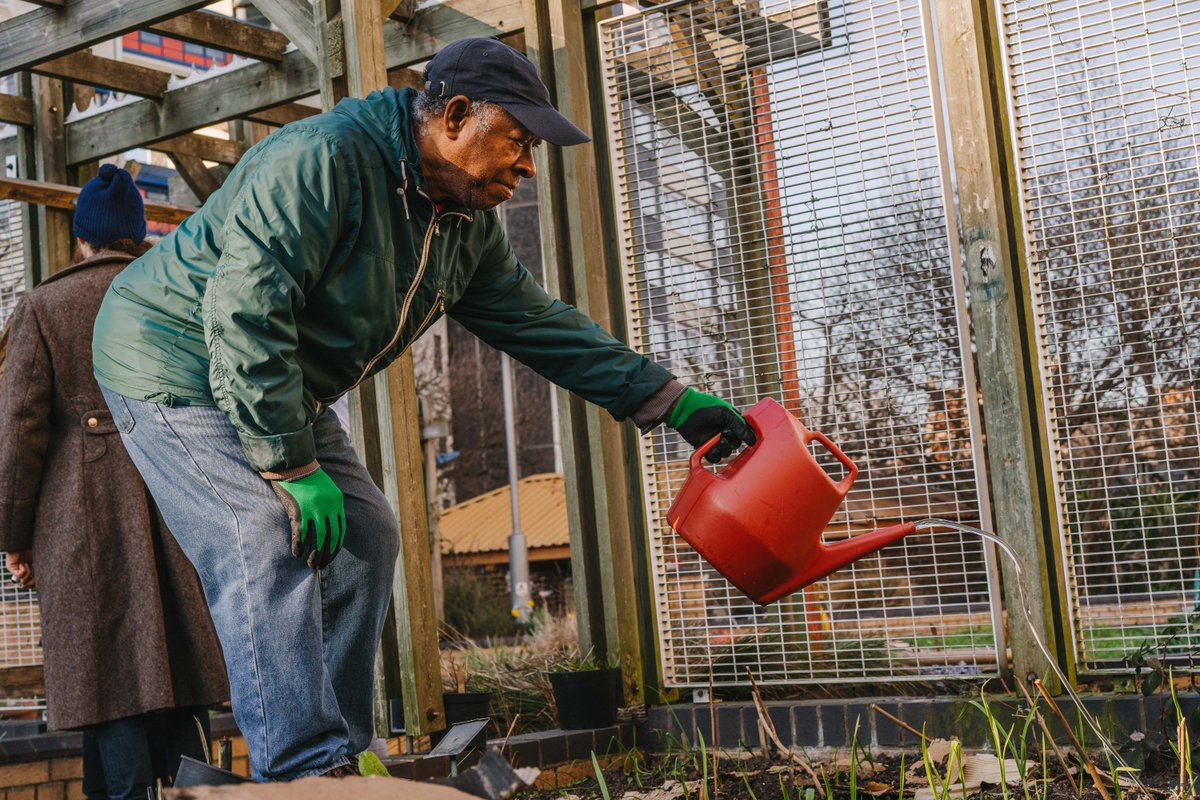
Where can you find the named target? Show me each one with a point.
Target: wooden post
(596, 457)
(994, 276)
(27, 169)
(50, 154)
(397, 436)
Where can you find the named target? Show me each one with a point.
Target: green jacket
(315, 265)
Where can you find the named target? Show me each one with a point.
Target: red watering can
(759, 520)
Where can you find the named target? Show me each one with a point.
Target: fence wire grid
(1103, 108)
(784, 226)
(20, 621)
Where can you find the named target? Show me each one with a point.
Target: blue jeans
(123, 758)
(299, 645)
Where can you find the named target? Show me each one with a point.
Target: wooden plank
(600, 503)
(48, 3)
(994, 283)
(400, 10)
(187, 108)
(399, 444)
(242, 92)
(93, 70)
(46, 33)
(224, 33)
(55, 242)
(21, 682)
(281, 115)
(295, 19)
(16, 110)
(196, 175)
(209, 148)
(435, 26)
(62, 196)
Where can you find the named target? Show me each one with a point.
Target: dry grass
(515, 674)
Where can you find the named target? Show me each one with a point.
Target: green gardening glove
(317, 510)
(698, 417)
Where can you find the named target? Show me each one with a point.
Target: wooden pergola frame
(340, 47)
(350, 47)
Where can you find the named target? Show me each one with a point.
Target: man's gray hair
(427, 106)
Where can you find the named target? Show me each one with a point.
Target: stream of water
(1019, 573)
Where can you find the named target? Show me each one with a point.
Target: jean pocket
(122, 417)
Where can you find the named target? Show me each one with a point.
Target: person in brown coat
(131, 655)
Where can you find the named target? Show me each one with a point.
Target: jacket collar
(386, 116)
(97, 260)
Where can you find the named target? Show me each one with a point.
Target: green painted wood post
(387, 436)
(1005, 352)
(596, 453)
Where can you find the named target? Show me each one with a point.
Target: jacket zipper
(433, 229)
(439, 304)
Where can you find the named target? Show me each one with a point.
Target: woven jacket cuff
(654, 411)
(279, 452)
(649, 379)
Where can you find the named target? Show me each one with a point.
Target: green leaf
(369, 764)
(1151, 683)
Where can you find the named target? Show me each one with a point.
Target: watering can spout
(836, 555)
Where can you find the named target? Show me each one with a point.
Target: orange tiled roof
(483, 524)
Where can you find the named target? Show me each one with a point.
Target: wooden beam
(398, 440)
(243, 92)
(93, 70)
(197, 176)
(281, 115)
(61, 196)
(48, 3)
(45, 33)
(187, 108)
(22, 682)
(994, 278)
(295, 19)
(399, 10)
(208, 148)
(405, 78)
(596, 455)
(439, 24)
(50, 107)
(16, 110)
(224, 33)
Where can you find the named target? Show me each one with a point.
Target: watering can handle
(851, 468)
(699, 453)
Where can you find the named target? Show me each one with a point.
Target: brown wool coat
(125, 628)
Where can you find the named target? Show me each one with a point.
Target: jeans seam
(245, 580)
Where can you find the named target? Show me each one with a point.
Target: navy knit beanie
(109, 208)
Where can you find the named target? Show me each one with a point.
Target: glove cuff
(292, 474)
(657, 406)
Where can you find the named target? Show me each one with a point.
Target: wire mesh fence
(1103, 102)
(784, 230)
(20, 623)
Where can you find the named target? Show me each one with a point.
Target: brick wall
(53, 779)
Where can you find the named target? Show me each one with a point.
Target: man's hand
(21, 567)
(317, 511)
(698, 417)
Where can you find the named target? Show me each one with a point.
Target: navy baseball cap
(489, 70)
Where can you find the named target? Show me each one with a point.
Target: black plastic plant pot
(587, 699)
(460, 707)
(463, 707)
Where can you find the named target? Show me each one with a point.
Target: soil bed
(671, 776)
